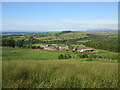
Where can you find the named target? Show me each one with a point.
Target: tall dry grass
(59, 74)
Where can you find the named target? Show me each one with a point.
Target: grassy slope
(105, 33)
(32, 54)
(56, 73)
(59, 74)
(71, 35)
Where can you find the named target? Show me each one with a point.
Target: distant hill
(102, 30)
(15, 33)
(61, 32)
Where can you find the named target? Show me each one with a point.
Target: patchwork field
(63, 36)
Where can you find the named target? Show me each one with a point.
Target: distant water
(37, 32)
(23, 32)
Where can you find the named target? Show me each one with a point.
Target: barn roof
(84, 48)
(61, 45)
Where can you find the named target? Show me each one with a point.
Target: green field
(38, 54)
(24, 67)
(83, 41)
(30, 54)
(59, 74)
(65, 36)
(34, 68)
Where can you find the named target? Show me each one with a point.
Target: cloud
(59, 25)
(92, 24)
(89, 22)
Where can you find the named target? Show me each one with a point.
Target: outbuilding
(83, 49)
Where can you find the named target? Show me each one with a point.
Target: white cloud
(89, 22)
(60, 25)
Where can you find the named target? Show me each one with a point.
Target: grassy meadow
(59, 74)
(63, 36)
(38, 68)
(30, 54)
(38, 54)
(32, 68)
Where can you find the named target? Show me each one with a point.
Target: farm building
(62, 47)
(82, 49)
(48, 47)
(55, 47)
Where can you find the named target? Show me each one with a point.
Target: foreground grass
(59, 74)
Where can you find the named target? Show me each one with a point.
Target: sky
(59, 16)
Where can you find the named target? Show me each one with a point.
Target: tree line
(109, 43)
(10, 42)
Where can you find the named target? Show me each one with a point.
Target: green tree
(64, 56)
(8, 42)
(61, 56)
(83, 55)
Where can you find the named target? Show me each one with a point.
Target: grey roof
(51, 47)
(61, 45)
(83, 48)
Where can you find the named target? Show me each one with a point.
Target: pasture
(34, 68)
(39, 54)
(38, 68)
(30, 54)
(63, 36)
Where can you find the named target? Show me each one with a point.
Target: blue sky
(59, 16)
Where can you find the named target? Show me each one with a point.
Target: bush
(64, 56)
(61, 56)
(83, 55)
(67, 56)
(37, 47)
(91, 56)
(95, 56)
(33, 47)
(100, 56)
(8, 42)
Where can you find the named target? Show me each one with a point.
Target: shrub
(95, 56)
(100, 56)
(67, 56)
(37, 47)
(33, 47)
(64, 56)
(61, 56)
(83, 55)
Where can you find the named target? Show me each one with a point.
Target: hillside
(99, 40)
(37, 54)
(59, 74)
(27, 65)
